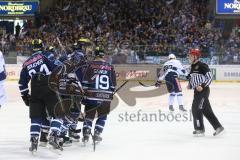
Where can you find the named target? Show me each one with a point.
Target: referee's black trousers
(201, 106)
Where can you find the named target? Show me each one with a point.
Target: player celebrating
(99, 84)
(172, 70)
(63, 80)
(37, 68)
(200, 78)
(79, 52)
(3, 76)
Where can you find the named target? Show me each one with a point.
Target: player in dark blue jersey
(51, 55)
(79, 55)
(65, 77)
(42, 100)
(99, 84)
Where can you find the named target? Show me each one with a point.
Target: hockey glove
(26, 99)
(158, 83)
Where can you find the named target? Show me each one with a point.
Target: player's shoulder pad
(49, 55)
(34, 57)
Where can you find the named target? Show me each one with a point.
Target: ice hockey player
(172, 69)
(37, 68)
(68, 77)
(200, 78)
(3, 76)
(80, 49)
(99, 85)
(50, 54)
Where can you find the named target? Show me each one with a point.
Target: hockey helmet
(195, 52)
(51, 49)
(37, 45)
(99, 52)
(84, 42)
(171, 56)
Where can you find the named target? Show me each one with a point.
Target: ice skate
(86, 134)
(96, 137)
(43, 139)
(66, 141)
(198, 133)
(218, 131)
(181, 108)
(73, 134)
(34, 144)
(55, 141)
(171, 108)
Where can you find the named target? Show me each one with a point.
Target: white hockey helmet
(171, 56)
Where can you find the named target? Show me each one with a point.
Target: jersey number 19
(102, 82)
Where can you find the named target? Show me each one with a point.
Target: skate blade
(96, 142)
(54, 150)
(67, 144)
(198, 135)
(183, 111)
(84, 144)
(43, 144)
(219, 134)
(33, 152)
(75, 140)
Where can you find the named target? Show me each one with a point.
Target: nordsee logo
(234, 5)
(15, 7)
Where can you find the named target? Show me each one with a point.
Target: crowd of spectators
(133, 27)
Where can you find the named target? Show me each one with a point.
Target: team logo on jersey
(196, 67)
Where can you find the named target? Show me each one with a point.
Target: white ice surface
(134, 140)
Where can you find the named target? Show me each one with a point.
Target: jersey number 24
(43, 69)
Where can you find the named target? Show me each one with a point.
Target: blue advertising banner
(230, 7)
(17, 8)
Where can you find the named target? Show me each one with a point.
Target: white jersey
(173, 65)
(2, 78)
(2, 67)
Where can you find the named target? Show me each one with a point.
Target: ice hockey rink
(135, 138)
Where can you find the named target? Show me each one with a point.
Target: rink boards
(221, 73)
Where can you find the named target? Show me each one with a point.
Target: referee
(200, 78)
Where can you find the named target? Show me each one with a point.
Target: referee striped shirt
(200, 75)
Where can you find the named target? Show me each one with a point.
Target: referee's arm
(208, 76)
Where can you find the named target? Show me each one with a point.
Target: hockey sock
(87, 123)
(35, 127)
(64, 127)
(180, 98)
(45, 125)
(171, 98)
(74, 115)
(56, 126)
(100, 123)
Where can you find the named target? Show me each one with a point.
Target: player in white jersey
(3, 76)
(172, 69)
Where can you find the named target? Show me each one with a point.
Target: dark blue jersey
(79, 58)
(38, 63)
(99, 82)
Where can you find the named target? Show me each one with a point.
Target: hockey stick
(150, 85)
(145, 85)
(121, 86)
(61, 45)
(163, 82)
